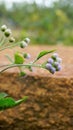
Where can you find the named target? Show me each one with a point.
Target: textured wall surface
(49, 107)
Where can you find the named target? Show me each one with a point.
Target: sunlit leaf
(21, 100)
(18, 58)
(9, 102)
(22, 73)
(43, 53)
(6, 103)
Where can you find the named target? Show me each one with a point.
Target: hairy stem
(18, 65)
(9, 46)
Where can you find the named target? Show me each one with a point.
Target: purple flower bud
(48, 66)
(53, 63)
(59, 60)
(58, 68)
(27, 55)
(50, 60)
(54, 56)
(52, 70)
(56, 64)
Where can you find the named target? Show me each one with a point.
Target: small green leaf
(22, 73)
(43, 53)
(18, 58)
(9, 102)
(21, 100)
(2, 95)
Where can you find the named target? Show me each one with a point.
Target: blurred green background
(43, 24)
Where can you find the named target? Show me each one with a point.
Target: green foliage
(22, 73)
(18, 58)
(43, 53)
(45, 25)
(8, 102)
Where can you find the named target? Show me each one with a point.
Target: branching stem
(18, 65)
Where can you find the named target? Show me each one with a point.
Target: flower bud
(27, 40)
(56, 64)
(26, 55)
(53, 63)
(23, 44)
(54, 56)
(3, 28)
(52, 70)
(59, 60)
(12, 39)
(7, 32)
(58, 68)
(50, 60)
(48, 66)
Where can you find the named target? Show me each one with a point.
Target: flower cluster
(53, 63)
(7, 33)
(7, 39)
(24, 43)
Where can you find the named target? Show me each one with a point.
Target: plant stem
(2, 41)
(1, 66)
(9, 46)
(18, 65)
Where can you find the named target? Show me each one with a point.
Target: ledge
(50, 102)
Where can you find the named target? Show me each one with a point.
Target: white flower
(3, 28)
(27, 40)
(12, 39)
(7, 32)
(23, 44)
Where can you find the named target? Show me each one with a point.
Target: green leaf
(6, 103)
(2, 95)
(18, 58)
(21, 100)
(9, 102)
(22, 73)
(43, 53)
